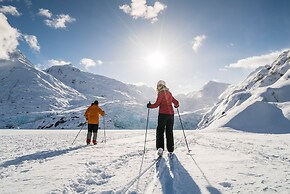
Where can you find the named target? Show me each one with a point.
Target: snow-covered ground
(221, 161)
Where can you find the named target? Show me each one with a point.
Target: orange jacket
(92, 114)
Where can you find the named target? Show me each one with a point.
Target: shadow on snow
(210, 188)
(39, 156)
(175, 179)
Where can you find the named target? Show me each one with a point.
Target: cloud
(54, 62)
(88, 63)
(9, 10)
(58, 21)
(32, 42)
(198, 40)
(256, 61)
(8, 38)
(45, 13)
(139, 9)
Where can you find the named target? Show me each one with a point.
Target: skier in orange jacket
(92, 116)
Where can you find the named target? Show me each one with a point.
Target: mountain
(97, 87)
(201, 101)
(28, 94)
(124, 104)
(261, 103)
(195, 104)
(58, 97)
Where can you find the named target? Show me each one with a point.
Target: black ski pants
(92, 129)
(165, 124)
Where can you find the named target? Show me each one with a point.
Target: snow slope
(28, 94)
(221, 161)
(261, 103)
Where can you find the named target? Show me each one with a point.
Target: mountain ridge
(258, 104)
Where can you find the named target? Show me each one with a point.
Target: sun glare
(156, 60)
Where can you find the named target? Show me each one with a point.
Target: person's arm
(102, 113)
(158, 102)
(175, 102)
(87, 113)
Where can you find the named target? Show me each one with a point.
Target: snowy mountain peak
(28, 94)
(261, 103)
(63, 69)
(210, 90)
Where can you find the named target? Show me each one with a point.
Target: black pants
(165, 123)
(92, 128)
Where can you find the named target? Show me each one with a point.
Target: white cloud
(9, 10)
(8, 38)
(99, 62)
(32, 42)
(40, 66)
(54, 62)
(198, 40)
(45, 13)
(256, 61)
(140, 9)
(88, 63)
(58, 21)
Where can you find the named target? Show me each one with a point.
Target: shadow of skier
(210, 188)
(176, 180)
(38, 156)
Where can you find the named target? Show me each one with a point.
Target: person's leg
(89, 134)
(160, 131)
(169, 133)
(95, 130)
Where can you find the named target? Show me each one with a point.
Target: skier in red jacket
(165, 118)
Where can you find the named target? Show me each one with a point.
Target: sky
(186, 43)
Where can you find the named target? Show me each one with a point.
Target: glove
(176, 106)
(149, 104)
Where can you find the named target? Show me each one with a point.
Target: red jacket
(164, 101)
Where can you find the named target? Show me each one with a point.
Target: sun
(156, 60)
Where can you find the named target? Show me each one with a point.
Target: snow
(260, 117)
(222, 160)
(261, 103)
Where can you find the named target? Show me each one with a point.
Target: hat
(161, 86)
(96, 102)
(161, 83)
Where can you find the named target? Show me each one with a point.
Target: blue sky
(184, 42)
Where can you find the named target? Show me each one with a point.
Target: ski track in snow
(40, 161)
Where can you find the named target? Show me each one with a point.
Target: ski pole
(105, 139)
(144, 145)
(183, 131)
(78, 133)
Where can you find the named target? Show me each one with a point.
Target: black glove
(149, 104)
(176, 106)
